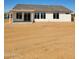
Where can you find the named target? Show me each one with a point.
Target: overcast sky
(9, 4)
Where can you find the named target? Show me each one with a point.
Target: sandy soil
(6, 21)
(39, 41)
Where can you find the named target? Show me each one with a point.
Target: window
(36, 16)
(40, 15)
(43, 15)
(56, 16)
(19, 15)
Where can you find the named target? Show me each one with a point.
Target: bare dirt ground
(39, 41)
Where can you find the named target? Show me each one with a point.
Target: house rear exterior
(40, 13)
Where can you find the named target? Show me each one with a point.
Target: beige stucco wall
(14, 17)
(49, 18)
(62, 18)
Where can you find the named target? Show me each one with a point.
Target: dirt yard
(39, 41)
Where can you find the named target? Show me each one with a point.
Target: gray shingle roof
(49, 8)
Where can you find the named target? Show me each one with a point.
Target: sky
(9, 4)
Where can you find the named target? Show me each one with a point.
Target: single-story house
(40, 13)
